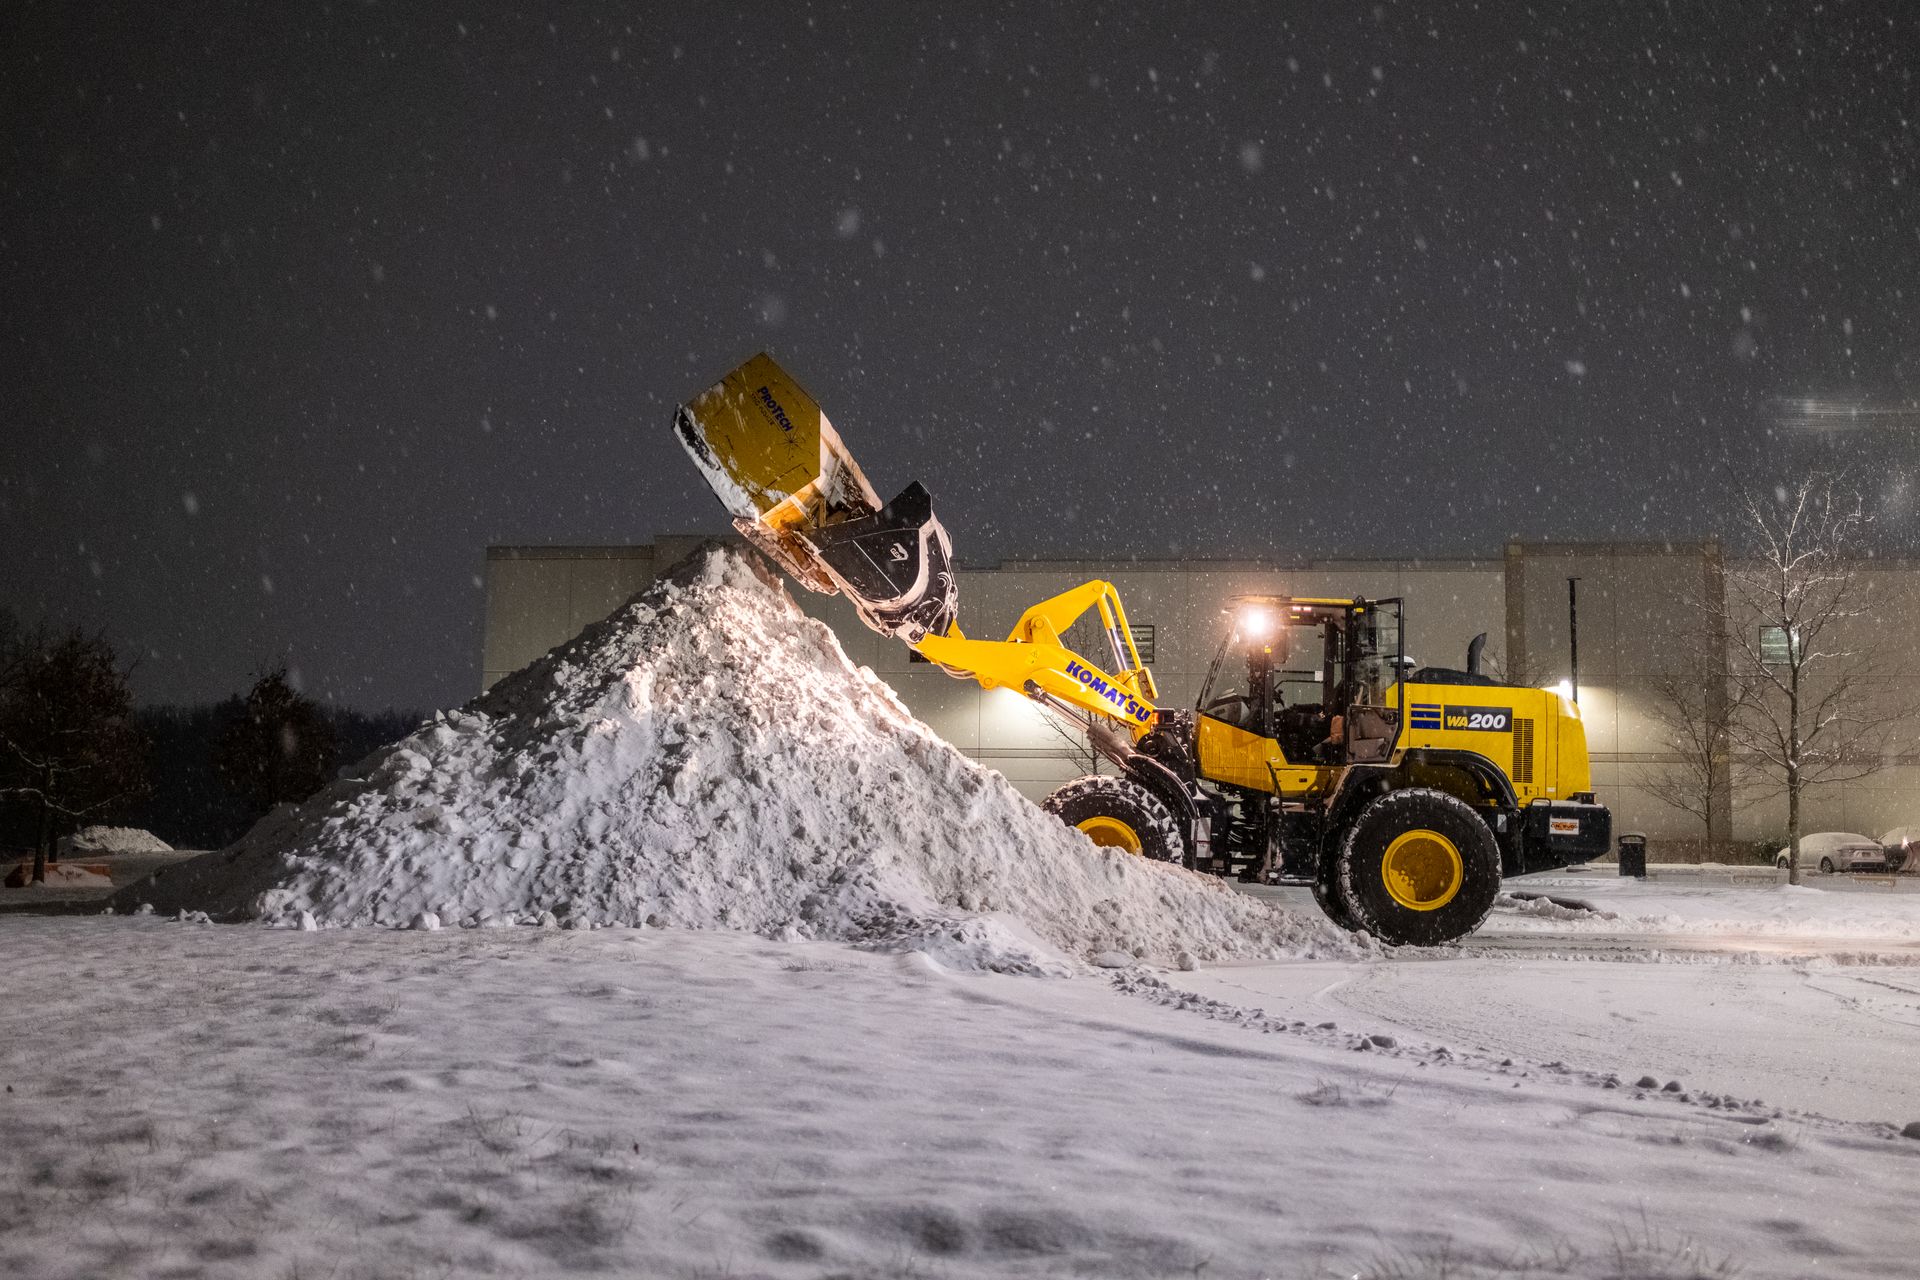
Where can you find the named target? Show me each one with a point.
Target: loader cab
(1311, 676)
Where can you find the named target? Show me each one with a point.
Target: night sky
(305, 305)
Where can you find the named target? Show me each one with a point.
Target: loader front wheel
(1331, 896)
(1118, 813)
(1419, 868)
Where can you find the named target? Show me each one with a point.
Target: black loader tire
(1419, 868)
(1332, 897)
(1119, 813)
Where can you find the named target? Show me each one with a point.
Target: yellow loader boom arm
(1034, 660)
(781, 471)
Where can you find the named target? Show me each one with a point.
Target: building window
(1774, 650)
(1143, 641)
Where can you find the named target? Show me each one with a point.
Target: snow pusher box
(1316, 751)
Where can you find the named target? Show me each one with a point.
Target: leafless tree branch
(1814, 708)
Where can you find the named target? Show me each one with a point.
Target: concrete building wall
(540, 597)
(1634, 600)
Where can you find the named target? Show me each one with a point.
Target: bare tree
(69, 748)
(281, 747)
(1075, 747)
(12, 639)
(1694, 699)
(13, 653)
(1508, 669)
(1690, 712)
(1814, 707)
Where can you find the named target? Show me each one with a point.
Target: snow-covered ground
(1838, 1040)
(1808, 998)
(88, 891)
(240, 1101)
(1881, 911)
(826, 1006)
(67, 876)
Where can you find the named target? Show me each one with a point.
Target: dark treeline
(188, 802)
(74, 751)
(191, 805)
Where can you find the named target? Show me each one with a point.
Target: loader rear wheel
(1118, 813)
(1419, 868)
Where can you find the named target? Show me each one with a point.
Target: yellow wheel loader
(1315, 753)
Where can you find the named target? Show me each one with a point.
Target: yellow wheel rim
(1423, 870)
(1111, 833)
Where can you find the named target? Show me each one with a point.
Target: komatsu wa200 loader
(1313, 751)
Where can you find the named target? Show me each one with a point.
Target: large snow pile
(107, 840)
(708, 757)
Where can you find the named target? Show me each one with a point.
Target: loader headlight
(1256, 623)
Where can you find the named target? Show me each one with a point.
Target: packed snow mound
(104, 840)
(707, 757)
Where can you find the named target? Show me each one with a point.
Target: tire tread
(1423, 806)
(1100, 793)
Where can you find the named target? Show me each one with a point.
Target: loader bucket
(896, 565)
(794, 491)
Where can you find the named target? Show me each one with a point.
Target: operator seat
(1369, 734)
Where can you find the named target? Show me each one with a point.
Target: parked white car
(1904, 841)
(1832, 851)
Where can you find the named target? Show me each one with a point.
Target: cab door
(1240, 758)
(1235, 734)
(1236, 756)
